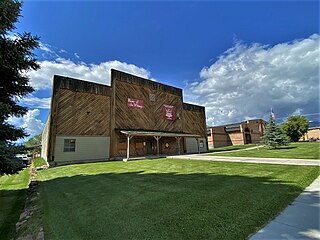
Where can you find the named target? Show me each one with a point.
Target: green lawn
(231, 148)
(38, 162)
(166, 198)
(13, 191)
(304, 150)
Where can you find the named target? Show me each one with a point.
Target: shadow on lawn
(138, 205)
(282, 148)
(11, 205)
(224, 150)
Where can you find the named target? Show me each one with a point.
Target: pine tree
(274, 136)
(16, 58)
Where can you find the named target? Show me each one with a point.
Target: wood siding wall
(194, 120)
(131, 79)
(150, 117)
(82, 113)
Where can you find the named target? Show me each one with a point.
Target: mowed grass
(303, 150)
(38, 162)
(13, 190)
(166, 198)
(232, 148)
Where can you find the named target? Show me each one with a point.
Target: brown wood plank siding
(82, 113)
(53, 118)
(129, 78)
(151, 116)
(83, 86)
(194, 122)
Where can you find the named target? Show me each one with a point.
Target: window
(69, 145)
(152, 97)
(201, 144)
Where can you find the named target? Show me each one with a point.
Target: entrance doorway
(151, 147)
(248, 138)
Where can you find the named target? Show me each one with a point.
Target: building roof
(230, 125)
(310, 128)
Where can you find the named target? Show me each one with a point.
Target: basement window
(69, 145)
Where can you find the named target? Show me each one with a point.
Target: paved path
(300, 220)
(236, 150)
(284, 161)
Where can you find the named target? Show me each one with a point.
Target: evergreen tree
(295, 127)
(274, 137)
(16, 58)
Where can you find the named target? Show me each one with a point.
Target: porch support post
(178, 140)
(157, 138)
(128, 148)
(198, 145)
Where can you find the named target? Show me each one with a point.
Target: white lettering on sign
(135, 103)
(168, 112)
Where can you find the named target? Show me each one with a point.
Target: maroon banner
(135, 103)
(168, 112)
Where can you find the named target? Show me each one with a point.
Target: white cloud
(76, 55)
(247, 80)
(45, 47)
(29, 122)
(48, 51)
(35, 102)
(99, 73)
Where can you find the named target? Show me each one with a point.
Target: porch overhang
(157, 136)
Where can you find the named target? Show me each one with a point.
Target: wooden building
(131, 118)
(250, 131)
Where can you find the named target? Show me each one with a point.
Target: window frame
(69, 145)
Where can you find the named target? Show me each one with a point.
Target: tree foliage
(295, 127)
(34, 141)
(274, 136)
(16, 58)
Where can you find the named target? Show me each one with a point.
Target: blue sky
(238, 59)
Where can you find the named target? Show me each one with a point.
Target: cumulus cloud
(29, 122)
(99, 73)
(247, 80)
(56, 64)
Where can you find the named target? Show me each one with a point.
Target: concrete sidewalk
(284, 161)
(300, 220)
(237, 150)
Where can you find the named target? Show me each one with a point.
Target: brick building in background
(312, 134)
(131, 118)
(250, 131)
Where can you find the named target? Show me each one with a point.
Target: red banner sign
(135, 103)
(168, 112)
